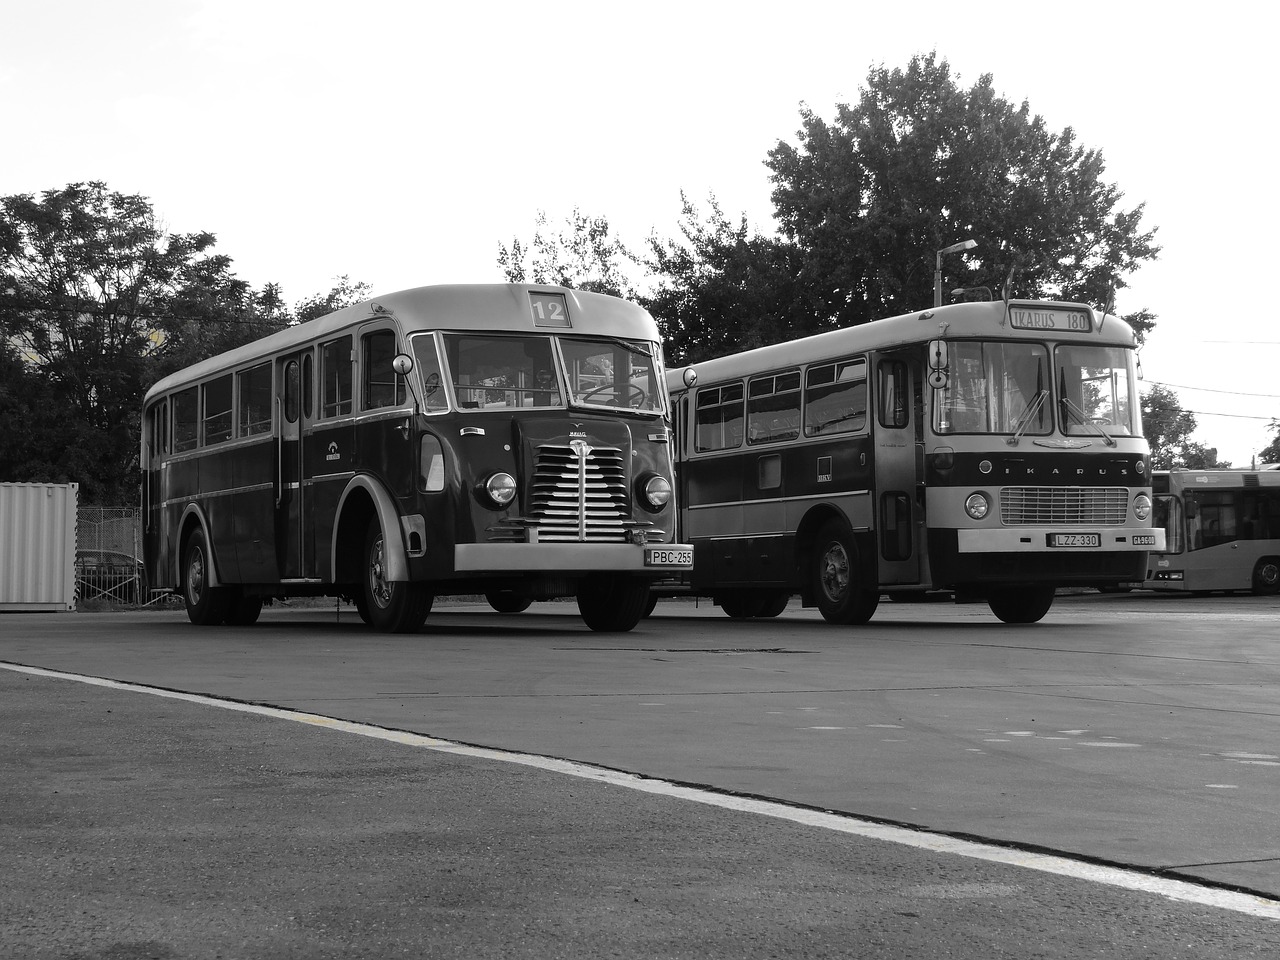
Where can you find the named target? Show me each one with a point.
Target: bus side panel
(253, 506)
(217, 482)
(331, 462)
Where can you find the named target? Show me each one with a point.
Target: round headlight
(500, 488)
(656, 492)
(1142, 506)
(977, 506)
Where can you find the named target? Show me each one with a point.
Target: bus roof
(492, 307)
(983, 320)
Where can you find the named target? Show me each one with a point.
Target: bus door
(290, 488)
(896, 471)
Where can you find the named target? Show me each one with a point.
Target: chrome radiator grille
(1064, 506)
(579, 497)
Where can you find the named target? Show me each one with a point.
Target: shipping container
(38, 546)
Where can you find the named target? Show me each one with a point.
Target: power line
(1234, 393)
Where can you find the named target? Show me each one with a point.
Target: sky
(400, 143)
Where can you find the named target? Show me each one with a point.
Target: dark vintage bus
(991, 450)
(505, 440)
(1222, 531)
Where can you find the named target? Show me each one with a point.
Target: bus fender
(194, 511)
(388, 518)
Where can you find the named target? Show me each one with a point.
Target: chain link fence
(109, 556)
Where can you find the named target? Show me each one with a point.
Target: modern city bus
(505, 440)
(1222, 531)
(992, 450)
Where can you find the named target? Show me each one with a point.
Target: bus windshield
(999, 387)
(492, 371)
(1095, 391)
(612, 373)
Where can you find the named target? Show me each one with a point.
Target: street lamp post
(937, 271)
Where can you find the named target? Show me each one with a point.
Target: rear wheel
(774, 603)
(394, 606)
(612, 604)
(740, 604)
(206, 605)
(1021, 604)
(243, 611)
(507, 601)
(1266, 576)
(837, 579)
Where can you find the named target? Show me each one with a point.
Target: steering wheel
(636, 396)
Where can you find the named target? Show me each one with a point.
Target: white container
(38, 546)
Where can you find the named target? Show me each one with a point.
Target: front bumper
(655, 559)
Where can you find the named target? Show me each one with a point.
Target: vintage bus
(1222, 531)
(505, 440)
(991, 450)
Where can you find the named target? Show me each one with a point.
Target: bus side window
(719, 418)
(335, 371)
(382, 386)
(255, 400)
(894, 407)
(217, 410)
(186, 420)
(773, 408)
(835, 398)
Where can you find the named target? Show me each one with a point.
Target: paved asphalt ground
(138, 826)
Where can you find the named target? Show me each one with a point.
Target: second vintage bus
(989, 449)
(510, 440)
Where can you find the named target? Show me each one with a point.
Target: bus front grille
(579, 493)
(1064, 506)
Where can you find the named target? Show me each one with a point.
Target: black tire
(1266, 577)
(361, 604)
(740, 604)
(243, 611)
(506, 601)
(774, 603)
(836, 578)
(206, 605)
(1021, 604)
(650, 606)
(393, 607)
(611, 603)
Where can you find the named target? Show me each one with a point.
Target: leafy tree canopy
(863, 203)
(584, 255)
(1168, 428)
(97, 302)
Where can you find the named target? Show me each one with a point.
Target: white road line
(840, 823)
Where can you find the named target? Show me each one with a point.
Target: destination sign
(1048, 318)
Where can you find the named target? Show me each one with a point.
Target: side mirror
(1193, 509)
(938, 363)
(402, 364)
(690, 376)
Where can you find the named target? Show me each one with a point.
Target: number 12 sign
(549, 310)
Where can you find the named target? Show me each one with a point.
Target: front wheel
(206, 605)
(507, 601)
(612, 604)
(1021, 604)
(394, 606)
(837, 580)
(1266, 577)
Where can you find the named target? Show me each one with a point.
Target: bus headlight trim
(1142, 506)
(500, 489)
(977, 505)
(655, 492)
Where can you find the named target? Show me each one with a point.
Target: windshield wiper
(1083, 419)
(1027, 416)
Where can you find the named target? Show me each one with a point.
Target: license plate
(661, 557)
(1075, 539)
(1144, 540)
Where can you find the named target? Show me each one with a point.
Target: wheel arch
(363, 499)
(192, 519)
(807, 533)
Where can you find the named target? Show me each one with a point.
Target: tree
(96, 302)
(1168, 428)
(585, 256)
(863, 202)
(1271, 452)
(343, 294)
